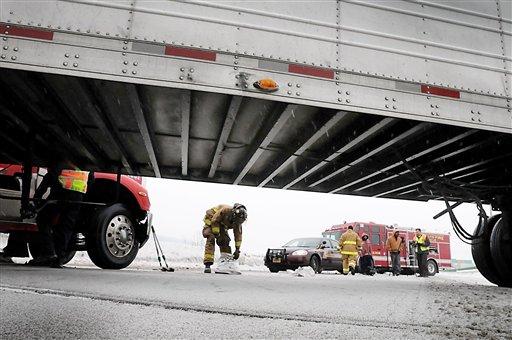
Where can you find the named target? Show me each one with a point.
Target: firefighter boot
(352, 270)
(207, 268)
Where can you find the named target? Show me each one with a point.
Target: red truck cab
(114, 222)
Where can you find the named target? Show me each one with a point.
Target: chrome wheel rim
(431, 268)
(120, 236)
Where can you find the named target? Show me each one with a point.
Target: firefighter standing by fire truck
(421, 246)
(217, 221)
(350, 243)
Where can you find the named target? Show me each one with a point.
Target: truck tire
(501, 250)
(432, 267)
(481, 251)
(111, 239)
(35, 250)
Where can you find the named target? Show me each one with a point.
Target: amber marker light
(267, 85)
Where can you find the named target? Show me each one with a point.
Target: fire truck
(439, 257)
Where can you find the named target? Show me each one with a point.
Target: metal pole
(27, 176)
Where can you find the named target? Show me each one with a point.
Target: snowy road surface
(93, 303)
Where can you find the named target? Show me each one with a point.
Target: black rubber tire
(481, 251)
(97, 245)
(36, 251)
(314, 262)
(501, 250)
(432, 268)
(273, 269)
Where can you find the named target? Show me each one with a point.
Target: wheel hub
(120, 236)
(431, 268)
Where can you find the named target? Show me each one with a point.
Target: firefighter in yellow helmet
(217, 221)
(350, 243)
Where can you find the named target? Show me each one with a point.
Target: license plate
(276, 260)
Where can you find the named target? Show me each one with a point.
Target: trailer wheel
(432, 267)
(501, 250)
(314, 263)
(481, 251)
(112, 239)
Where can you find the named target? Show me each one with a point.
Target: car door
(335, 256)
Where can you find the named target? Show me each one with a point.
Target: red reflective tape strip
(439, 91)
(311, 71)
(190, 53)
(26, 32)
(6, 226)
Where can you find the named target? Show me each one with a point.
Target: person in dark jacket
(59, 213)
(366, 259)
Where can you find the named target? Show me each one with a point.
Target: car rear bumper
(279, 258)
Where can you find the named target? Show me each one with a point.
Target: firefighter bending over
(350, 243)
(217, 221)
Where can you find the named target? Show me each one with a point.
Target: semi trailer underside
(204, 136)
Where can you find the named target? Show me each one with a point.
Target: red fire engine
(439, 257)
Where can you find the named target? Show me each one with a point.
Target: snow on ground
(318, 306)
(471, 276)
(180, 254)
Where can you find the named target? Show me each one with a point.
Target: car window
(9, 183)
(327, 244)
(375, 239)
(375, 229)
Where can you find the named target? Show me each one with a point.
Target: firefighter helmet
(239, 213)
(364, 236)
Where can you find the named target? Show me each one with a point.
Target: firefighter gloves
(236, 254)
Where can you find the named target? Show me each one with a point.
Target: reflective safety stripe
(207, 220)
(238, 243)
(345, 252)
(349, 242)
(421, 241)
(74, 180)
(208, 257)
(216, 230)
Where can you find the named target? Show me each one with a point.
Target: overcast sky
(276, 216)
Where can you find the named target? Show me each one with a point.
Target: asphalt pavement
(90, 303)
